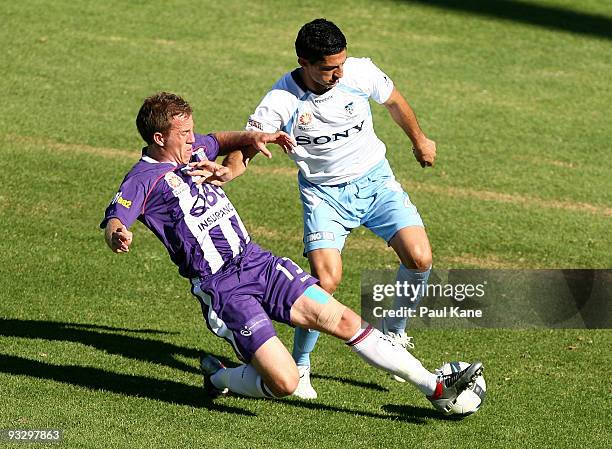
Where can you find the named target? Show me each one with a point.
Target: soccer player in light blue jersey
(344, 178)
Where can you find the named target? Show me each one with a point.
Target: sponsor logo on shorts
(321, 235)
(252, 325)
(255, 124)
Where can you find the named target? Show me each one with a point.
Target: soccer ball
(471, 399)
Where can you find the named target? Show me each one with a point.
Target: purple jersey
(198, 225)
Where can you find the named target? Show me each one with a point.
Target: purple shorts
(240, 301)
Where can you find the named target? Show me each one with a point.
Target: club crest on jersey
(177, 185)
(349, 108)
(305, 121)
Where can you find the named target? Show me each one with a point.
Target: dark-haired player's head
(318, 39)
(166, 124)
(321, 50)
(157, 113)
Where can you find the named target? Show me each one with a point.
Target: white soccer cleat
(398, 339)
(304, 389)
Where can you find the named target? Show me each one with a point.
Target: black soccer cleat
(209, 366)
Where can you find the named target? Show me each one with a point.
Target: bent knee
(329, 280)
(424, 262)
(421, 259)
(284, 385)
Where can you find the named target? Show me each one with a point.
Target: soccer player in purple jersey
(240, 286)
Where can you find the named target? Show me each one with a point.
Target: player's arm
(234, 165)
(424, 149)
(233, 140)
(262, 127)
(121, 213)
(237, 159)
(117, 236)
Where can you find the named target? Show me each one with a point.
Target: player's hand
(209, 172)
(280, 138)
(425, 152)
(121, 239)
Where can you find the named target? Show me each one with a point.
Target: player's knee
(284, 384)
(422, 259)
(329, 280)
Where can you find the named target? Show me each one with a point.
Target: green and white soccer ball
(471, 399)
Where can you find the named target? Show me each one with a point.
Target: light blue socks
(304, 341)
(414, 279)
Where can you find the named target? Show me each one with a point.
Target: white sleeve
(268, 116)
(374, 81)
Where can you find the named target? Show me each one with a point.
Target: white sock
(243, 380)
(372, 346)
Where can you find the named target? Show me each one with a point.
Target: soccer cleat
(400, 339)
(209, 366)
(304, 389)
(450, 386)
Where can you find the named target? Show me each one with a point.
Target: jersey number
(286, 272)
(207, 196)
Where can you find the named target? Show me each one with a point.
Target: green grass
(106, 347)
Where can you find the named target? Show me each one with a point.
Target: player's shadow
(111, 340)
(105, 338)
(545, 16)
(353, 382)
(419, 415)
(410, 412)
(127, 384)
(114, 341)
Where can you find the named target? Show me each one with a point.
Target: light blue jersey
(334, 130)
(344, 179)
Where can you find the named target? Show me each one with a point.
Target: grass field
(517, 96)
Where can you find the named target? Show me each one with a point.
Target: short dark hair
(157, 112)
(318, 39)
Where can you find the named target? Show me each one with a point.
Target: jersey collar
(298, 80)
(150, 160)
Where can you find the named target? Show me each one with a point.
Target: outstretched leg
(378, 349)
(369, 343)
